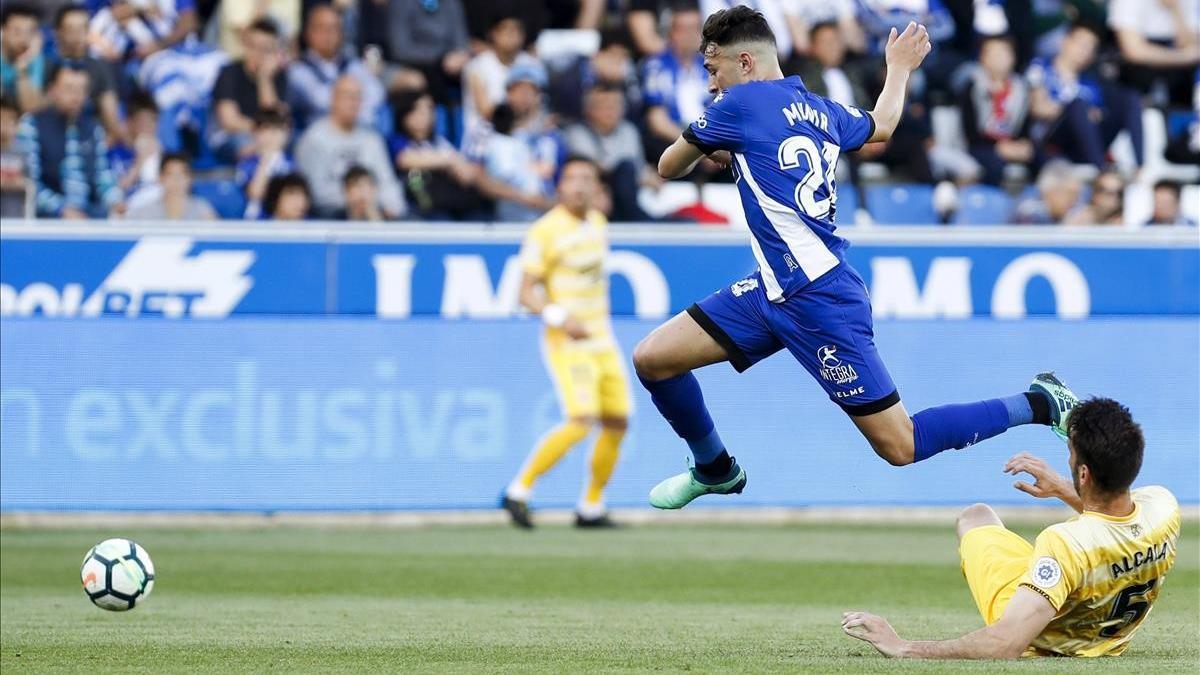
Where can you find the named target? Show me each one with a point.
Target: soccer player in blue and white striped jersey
(783, 143)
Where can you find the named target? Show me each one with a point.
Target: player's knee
(648, 361)
(975, 515)
(614, 424)
(582, 424)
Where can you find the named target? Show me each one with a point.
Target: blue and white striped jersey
(785, 143)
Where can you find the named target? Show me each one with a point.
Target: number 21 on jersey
(825, 158)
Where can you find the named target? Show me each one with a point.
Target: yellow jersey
(568, 254)
(1102, 574)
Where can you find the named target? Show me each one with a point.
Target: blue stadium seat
(441, 124)
(983, 205)
(910, 204)
(847, 204)
(224, 196)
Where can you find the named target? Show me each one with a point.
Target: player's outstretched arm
(1046, 481)
(1024, 619)
(904, 54)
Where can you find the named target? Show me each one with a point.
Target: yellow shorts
(590, 382)
(993, 561)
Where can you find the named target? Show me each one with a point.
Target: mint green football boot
(678, 491)
(1062, 400)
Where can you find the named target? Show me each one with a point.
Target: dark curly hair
(278, 185)
(736, 25)
(1108, 441)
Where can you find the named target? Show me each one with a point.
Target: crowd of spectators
(464, 110)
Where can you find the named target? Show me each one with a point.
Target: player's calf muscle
(890, 434)
(894, 452)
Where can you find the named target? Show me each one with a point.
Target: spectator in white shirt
(804, 15)
(1160, 45)
(130, 30)
(486, 75)
(512, 174)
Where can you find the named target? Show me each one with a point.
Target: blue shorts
(826, 327)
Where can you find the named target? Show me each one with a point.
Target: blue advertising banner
(473, 273)
(171, 276)
(271, 413)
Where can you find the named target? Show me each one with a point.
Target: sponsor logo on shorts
(1046, 572)
(833, 369)
(744, 286)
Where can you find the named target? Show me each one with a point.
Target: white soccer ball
(117, 574)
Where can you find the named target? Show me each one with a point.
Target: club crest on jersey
(744, 286)
(1046, 572)
(833, 369)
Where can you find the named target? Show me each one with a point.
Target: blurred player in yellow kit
(564, 282)
(1087, 584)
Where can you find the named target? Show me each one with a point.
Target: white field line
(1036, 515)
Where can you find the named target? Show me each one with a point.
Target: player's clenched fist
(908, 49)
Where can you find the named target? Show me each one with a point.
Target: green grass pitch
(486, 599)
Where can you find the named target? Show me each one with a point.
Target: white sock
(517, 492)
(590, 510)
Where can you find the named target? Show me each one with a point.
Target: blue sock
(964, 424)
(681, 402)
(1020, 411)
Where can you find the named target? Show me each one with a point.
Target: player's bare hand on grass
(875, 630)
(1046, 481)
(908, 49)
